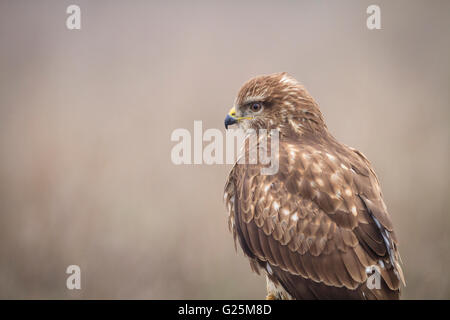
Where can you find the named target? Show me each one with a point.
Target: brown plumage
(317, 225)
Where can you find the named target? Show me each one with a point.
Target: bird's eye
(255, 107)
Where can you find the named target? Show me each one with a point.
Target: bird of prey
(318, 228)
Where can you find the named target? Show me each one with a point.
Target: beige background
(86, 117)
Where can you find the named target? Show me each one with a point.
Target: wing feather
(321, 218)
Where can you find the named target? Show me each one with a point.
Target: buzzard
(318, 228)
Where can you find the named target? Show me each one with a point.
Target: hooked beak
(230, 118)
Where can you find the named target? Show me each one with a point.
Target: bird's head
(275, 101)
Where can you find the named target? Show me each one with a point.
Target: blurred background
(86, 116)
